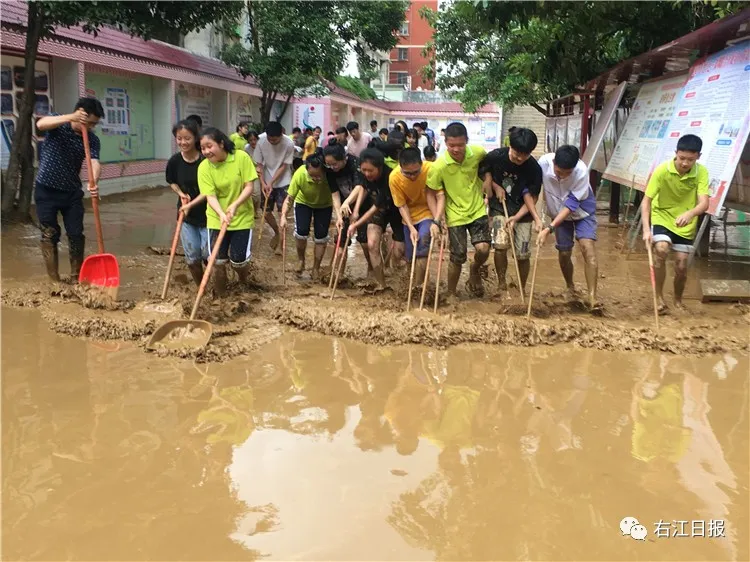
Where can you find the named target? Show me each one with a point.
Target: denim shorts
(320, 218)
(276, 197)
(194, 242)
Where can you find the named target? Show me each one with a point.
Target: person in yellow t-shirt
(311, 143)
(457, 195)
(676, 195)
(226, 178)
(313, 203)
(239, 137)
(408, 184)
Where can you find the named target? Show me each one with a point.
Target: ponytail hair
(315, 160)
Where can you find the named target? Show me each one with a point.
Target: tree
(144, 19)
(529, 52)
(300, 45)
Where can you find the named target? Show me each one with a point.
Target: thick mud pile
(250, 316)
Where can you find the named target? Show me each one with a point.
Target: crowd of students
(403, 179)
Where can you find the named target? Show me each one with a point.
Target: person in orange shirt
(408, 184)
(311, 143)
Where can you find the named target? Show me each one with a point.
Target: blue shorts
(236, 247)
(583, 229)
(423, 244)
(194, 242)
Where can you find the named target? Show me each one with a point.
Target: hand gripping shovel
(99, 270)
(189, 333)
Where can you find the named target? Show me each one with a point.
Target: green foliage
(356, 87)
(296, 46)
(142, 18)
(518, 53)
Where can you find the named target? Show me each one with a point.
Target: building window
(404, 28)
(399, 77)
(403, 53)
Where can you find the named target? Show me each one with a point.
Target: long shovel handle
(263, 216)
(653, 283)
(209, 269)
(283, 256)
(411, 276)
(426, 273)
(439, 269)
(334, 258)
(533, 279)
(512, 237)
(95, 199)
(172, 252)
(340, 267)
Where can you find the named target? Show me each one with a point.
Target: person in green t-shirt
(239, 137)
(455, 190)
(311, 196)
(226, 178)
(676, 195)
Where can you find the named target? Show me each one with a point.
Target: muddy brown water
(292, 439)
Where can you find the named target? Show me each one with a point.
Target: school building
(146, 86)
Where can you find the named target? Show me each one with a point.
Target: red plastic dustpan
(100, 270)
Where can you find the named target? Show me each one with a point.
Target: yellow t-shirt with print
(464, 201)
(672, 195)
(311, 145)
(411, 192)
(226, 180)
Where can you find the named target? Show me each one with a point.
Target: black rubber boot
(51, 261)
(196, 270)
(220, 280)
(75, 249)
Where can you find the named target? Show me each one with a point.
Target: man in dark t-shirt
(58, 186)
(513, 175)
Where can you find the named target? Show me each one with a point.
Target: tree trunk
(286, 106)
(22, 136)
(266, 105)
(27, 183)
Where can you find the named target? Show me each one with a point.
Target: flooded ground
(289, 438)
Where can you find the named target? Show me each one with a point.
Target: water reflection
(319, 448)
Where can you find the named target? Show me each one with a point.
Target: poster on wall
(574, 130)
(309, 115)
(194, 100)
(475, 128)
(127, 131)
(713, 105)
(490, 132)
(611, 103)
(550, 133)
(561, 132)
(241, 108)
(644, 132)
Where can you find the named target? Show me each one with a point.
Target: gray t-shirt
(271, 157)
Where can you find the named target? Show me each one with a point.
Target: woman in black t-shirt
(376, 209)
(346, 182)
(182, 176)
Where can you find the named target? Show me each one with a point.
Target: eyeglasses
(411, 174)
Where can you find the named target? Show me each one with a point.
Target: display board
(194, 100)
(714, 104)
(644, 131)
(611, 103)
(241, 108)
(126, 131)
(309, 115)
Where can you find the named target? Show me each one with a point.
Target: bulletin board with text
(126, 131)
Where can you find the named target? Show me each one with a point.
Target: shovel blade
(177, 334)
(101, 270)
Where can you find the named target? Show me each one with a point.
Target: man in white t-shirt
(358, 140)
(273, 157)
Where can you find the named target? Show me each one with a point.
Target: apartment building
(407, 58)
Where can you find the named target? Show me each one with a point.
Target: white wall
(220, 111)
(163, 99)
(64, 84)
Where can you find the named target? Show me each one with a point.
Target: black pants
(50, 202)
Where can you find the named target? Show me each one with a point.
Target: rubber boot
(243, 273)
(196, 270)
(220, 280)
(49, 253)
(75, 250)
